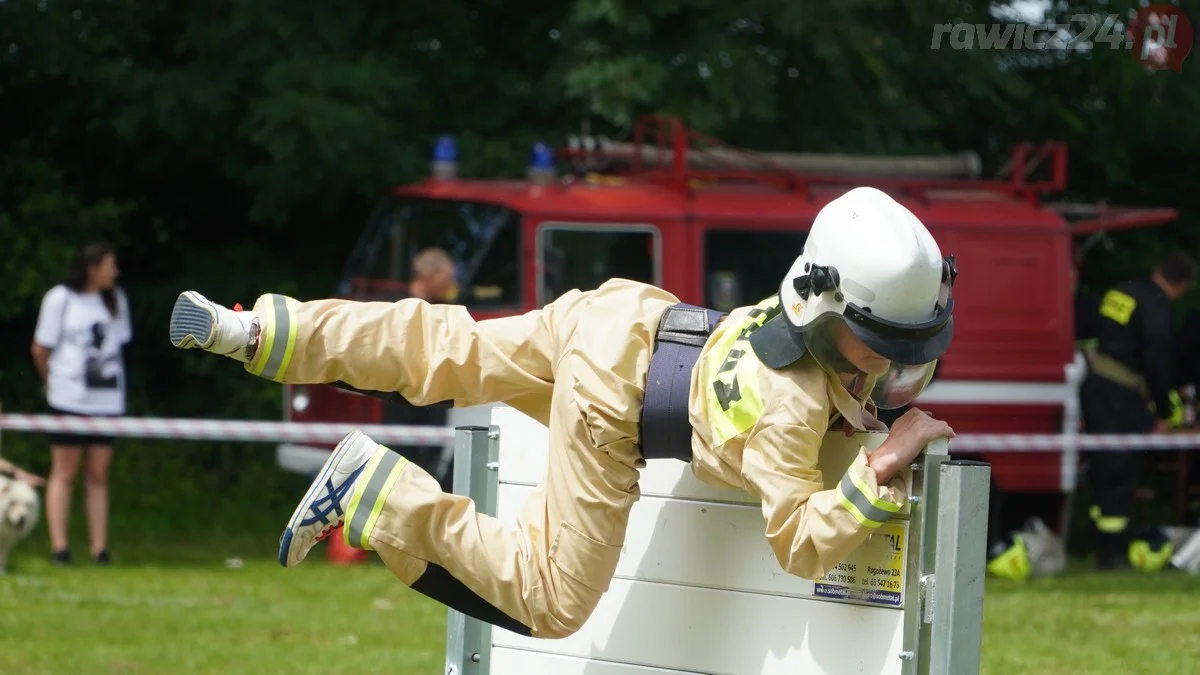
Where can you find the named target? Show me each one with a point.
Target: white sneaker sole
(193, 322)
(290, 538)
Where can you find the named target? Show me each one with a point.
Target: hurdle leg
(943, 629)
(956, 601)
(919, 565)
(476, 453)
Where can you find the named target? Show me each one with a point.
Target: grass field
(190, 609)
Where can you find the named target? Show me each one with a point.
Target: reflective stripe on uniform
(370, 493)
(1118, 306)
(1113, 370)
(1176, 419)
(734, 403)
(1108, 524)
(277, 341)
(868, 509)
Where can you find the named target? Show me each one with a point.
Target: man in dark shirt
(1128, 390)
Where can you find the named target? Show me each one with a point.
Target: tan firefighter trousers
(577, 365)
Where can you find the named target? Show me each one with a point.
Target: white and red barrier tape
(1089, 442)
(329, 432)
(225, 430)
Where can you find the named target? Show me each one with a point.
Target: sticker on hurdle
(698, 590)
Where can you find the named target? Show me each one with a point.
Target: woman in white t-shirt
(77, 347)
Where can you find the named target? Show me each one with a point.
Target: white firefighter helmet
(869, 269)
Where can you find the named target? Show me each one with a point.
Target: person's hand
(21, 474)
(909, 435)
(31, 478)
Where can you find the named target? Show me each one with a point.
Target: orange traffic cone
(341, 554)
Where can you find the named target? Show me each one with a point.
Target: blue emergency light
(541, 158)
(445, 149)
(445, 158)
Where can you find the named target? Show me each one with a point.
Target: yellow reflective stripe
(854, 511)
(381, 499)
(1176, 419)
(733, 400)
(1108, 524)
(855, 496)
(1117, 306)
(369, 496)
(1113, 370)
(289, 349)
(360, 487)
(283, 343)
(279, 327)
(876, 502)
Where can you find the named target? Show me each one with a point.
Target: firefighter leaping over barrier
(619, 375)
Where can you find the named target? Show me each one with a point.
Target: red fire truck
(718, 226)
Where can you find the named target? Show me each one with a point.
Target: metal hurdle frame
(943, 618)
(476, 462)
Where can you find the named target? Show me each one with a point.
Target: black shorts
(66, 439)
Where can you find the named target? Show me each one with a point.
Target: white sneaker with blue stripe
(197, 322)
(324, 507)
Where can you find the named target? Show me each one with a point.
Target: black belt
(666, 431)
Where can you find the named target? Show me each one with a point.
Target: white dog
(19, 509)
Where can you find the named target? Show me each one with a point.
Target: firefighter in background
(620, 374)
(433, 280)
(1127, 390)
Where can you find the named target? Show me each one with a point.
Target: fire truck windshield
(481, 239)
(744, 266)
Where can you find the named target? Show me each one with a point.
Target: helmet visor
(901, 384)
(837, 347)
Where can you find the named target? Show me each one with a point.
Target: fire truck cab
(719, 226)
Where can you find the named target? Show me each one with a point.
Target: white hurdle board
(699, 591)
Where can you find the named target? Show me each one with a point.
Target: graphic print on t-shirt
(101, 371)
